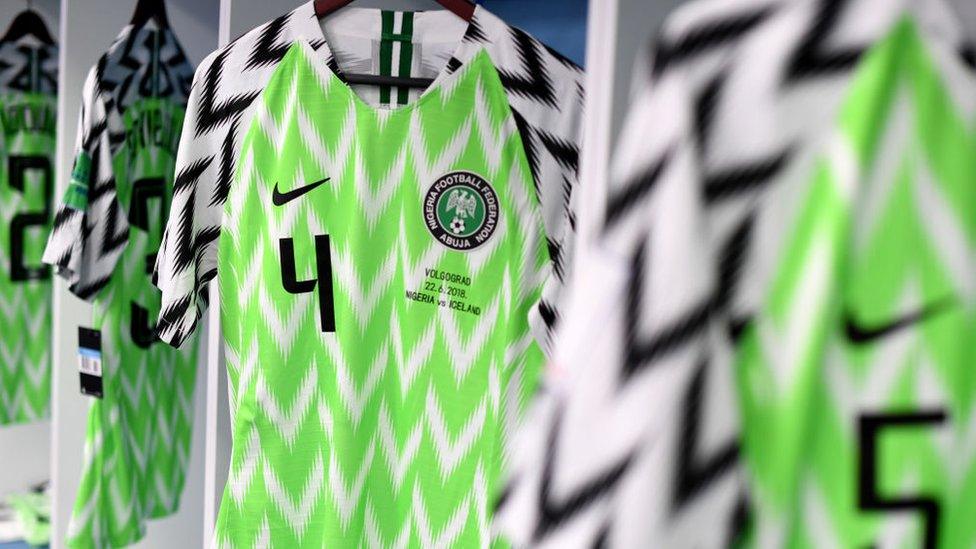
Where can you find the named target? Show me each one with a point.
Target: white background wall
(24, 449)
(92, 25)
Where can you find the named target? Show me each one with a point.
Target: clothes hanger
(150, 9)
(462, 8)
(28, 23)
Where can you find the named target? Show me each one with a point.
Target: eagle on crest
(462, 203)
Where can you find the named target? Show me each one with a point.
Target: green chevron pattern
(26, 184)
(887, 227)
(138, 437)
(389, 431)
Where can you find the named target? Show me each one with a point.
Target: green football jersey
(857, 380)
(28, 97)
(389, 271)
(377, 270)
(105, 239)
(779, 307)
(26, 186)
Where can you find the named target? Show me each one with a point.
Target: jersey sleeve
(550, 127)
(554, 154)
(637, 349)
(90, 228)
(187, 258)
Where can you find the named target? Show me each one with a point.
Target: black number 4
(323, 264)
(869, 498)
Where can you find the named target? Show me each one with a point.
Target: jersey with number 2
(28, 88)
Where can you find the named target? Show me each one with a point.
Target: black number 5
(18, 167)
(869, 429)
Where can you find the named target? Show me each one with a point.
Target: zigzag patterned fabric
(106, 234)
(824, 314)
(544, 90)
(374, 412)
(28, 114)
(394, 430)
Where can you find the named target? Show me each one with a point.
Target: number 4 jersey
(106, 234)
(381, 258)
(28, 96)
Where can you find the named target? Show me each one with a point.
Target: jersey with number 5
(820, 234)
(856, 376)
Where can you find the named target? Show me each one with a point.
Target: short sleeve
(559, 197)
(638, 341)
(187, 258)
(90, 228)
(553, 141)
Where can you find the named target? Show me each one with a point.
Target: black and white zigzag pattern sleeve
(559, 196)
(187, 258)
(220, 104)
(545, 91)
(612, 454)
(90, 229)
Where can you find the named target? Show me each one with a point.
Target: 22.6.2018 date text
(449, 291)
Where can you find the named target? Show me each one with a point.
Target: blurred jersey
(28, 97)
(105, 237)
(783, 293)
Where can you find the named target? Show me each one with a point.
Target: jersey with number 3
(104, 242)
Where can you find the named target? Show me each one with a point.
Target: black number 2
(869, 498)
(18, 167)
(323, 264)
(144, 190)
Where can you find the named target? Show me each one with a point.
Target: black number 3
(143, 190)
(869, 430)
(18, 167)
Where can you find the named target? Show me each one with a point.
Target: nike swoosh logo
(860, 334)
(280, 199)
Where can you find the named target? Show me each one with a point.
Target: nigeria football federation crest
(461, 210)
